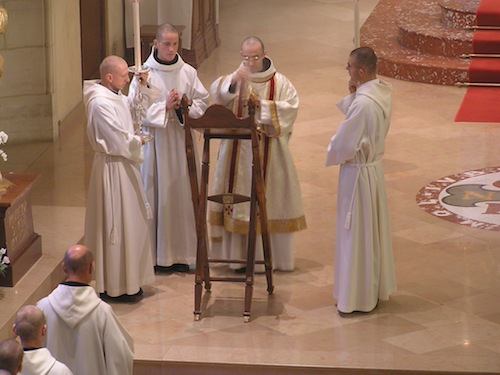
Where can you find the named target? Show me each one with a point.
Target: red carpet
(488, 13)
(481, 104)
(484, 70)
(486, 41)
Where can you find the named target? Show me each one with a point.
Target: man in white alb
(31, 328)
(82, 330)
(364, 269)
(278, 104)
(116, 218)
(165, 171)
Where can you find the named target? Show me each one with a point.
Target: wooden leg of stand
(266, 245)
(195, 197)
(252, 234)
(206, 268)
(266, 242)
(248, 299)
(202, 273)
(205, 171)
(261, 198)
(198, 288)
(201, 264)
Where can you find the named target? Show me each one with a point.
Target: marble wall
(41, 80)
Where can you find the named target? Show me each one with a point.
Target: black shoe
(123, 298)
(176, 267)
(241, 270)
(180, 267)
(355, 312)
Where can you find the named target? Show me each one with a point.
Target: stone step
(381, 32)
(459, 13)
(421, 29)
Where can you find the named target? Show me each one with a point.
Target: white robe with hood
(165, 171)
(41, 362)
(278, 109)
(116, 229)
(84, 333)
(364, 269)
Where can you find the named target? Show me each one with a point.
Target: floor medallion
(469, 198)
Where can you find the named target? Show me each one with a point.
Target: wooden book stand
(219, 122)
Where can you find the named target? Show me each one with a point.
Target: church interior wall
(41, 80)
(115, 28)
(63, 57)
(149, 12)
(115, 39)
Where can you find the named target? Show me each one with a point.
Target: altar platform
(445, 316)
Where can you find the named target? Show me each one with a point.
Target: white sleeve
(350, 135)
(278, 116)
(219, 90)
(108, 136)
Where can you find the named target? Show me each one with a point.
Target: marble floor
(445, 315)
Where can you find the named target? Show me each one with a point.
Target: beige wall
(115, 44)
(63, 57)
(41, 83)
(41, 80)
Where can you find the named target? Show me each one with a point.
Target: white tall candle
(137, 36)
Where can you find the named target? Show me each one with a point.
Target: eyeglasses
(250, 58)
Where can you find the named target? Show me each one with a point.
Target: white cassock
(165, 171)
(84, 333)
(41, 362)
(279, 104)
(116, 229)
(364, 269)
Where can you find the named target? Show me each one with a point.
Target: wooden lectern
(219, 122)
(24, 246)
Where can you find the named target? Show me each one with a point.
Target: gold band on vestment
(274, 226)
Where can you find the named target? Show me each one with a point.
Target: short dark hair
(253, 39)
(11, 355)
(365, 57)
(165, 28)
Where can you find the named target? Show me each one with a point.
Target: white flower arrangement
(4, 261)
(3, 140)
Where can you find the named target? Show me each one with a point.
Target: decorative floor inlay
(469, 198)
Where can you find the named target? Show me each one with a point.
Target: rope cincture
(348, 219)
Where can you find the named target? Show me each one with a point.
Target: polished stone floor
(446, 312)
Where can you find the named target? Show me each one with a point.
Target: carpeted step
(421, 29)
(459, 13)
(488, 13)
(486, 41)
(484, 70)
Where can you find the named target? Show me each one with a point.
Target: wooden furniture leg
(252, 235)
(205, 169)
(261, 198)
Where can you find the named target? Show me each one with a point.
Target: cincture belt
(348, 218)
